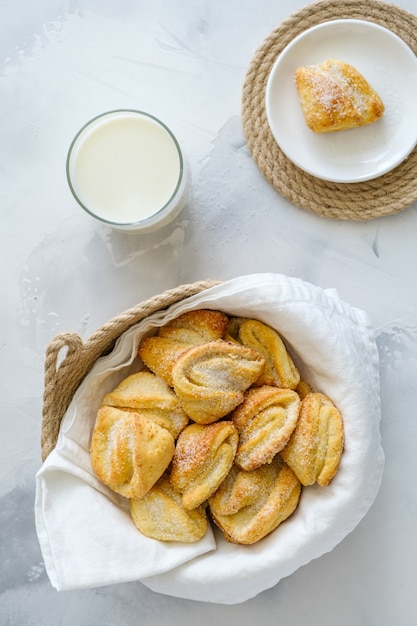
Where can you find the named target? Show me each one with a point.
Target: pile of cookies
(217, 426)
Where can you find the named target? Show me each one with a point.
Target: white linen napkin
(85, 533)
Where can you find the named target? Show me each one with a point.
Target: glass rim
(147, 221)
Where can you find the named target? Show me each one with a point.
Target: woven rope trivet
(385, 195)
(62, 381)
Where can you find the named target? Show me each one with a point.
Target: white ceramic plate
(359, 154)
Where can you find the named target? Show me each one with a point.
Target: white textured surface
(62, 63)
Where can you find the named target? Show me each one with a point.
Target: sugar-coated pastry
(160, 352)
(316, 445)
(210, 379)
(149, 395)
(203, 457)
(250, 505)
(196, 327)
(241, 488)
(265, 421)
(280, 370)
(129, 452)
(160, 355)
(160, 515)
(335, 96)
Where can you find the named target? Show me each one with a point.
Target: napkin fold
(85, 532)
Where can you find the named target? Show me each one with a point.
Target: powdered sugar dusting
(330, 83)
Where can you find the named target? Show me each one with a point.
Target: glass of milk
(126, 169)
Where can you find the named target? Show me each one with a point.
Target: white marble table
(64, 62)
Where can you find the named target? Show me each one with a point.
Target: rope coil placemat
(61, 382)
(386, 195)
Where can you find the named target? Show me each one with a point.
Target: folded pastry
(335, 96)
(203, 457)
(315, 447)
(303, 389)
(265, 421)
(196, 327)
(161, 515)
(129, 452)
(160, 355)
(160, 352)
(210, 379)
(250, 505)
(149, 395)
(241, 488)
(280, 370)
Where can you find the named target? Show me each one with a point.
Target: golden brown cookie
(210, 379)
(335, 96)
(160, 515)
(203, 457)
(128, 451)
(315, 447)
(280, 370)
(196, 327)
(241, 489)
(265, 421)
(160, 352)
(250, 505)
(149, 395)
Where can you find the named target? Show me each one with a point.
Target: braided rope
(385, 195)
(61, 381)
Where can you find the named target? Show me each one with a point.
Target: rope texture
(388, 194)
(62, 380)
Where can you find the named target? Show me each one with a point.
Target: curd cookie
(279, 370)
(203, 457)
(248, 506)
(129, 452)
(316, 445)
(241, 489)
(160, 515)
(265, 421)
(210, 379)
(334, 96)
(199, 326)
(147, 394)
(160, 352)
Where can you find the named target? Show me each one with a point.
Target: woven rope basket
(63, 379)
(382, 196)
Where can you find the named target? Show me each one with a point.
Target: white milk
(125, 167)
